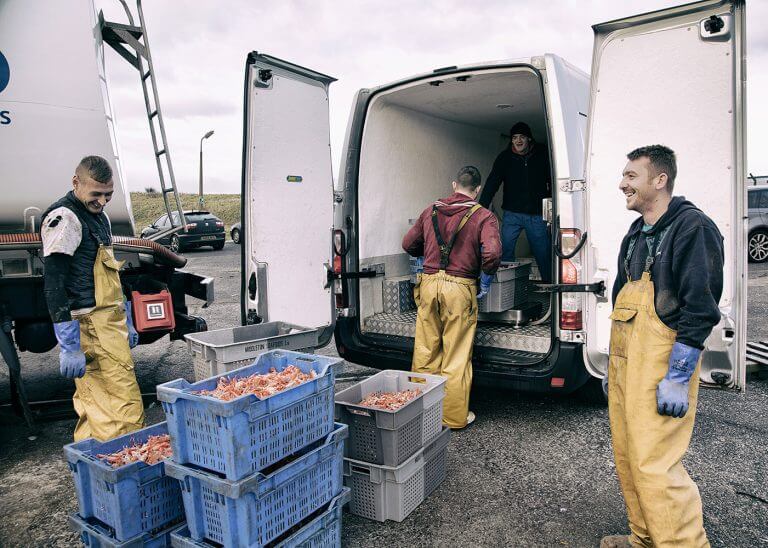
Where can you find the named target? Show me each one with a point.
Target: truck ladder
(132, 44)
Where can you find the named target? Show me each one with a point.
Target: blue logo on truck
(5, 72)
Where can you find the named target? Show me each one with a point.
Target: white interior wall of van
(417, 136)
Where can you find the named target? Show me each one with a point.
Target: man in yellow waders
(85, 299)
(665, 305)
(458, 239)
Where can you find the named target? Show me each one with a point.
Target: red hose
(27, 240)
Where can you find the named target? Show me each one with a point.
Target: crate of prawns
(122, 486)
(391, 415)
(242, 422)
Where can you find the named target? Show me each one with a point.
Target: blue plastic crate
(258, 509)
(131, 500)
(322, 531)
(239, 437)
(93, 535)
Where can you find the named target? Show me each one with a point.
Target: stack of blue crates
(258, 471)
(133, 505)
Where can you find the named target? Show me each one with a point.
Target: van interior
(415, 139)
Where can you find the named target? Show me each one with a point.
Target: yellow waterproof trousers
(663, 502)
(107, 398)
(445, 334)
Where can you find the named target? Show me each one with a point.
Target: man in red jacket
(459, 240)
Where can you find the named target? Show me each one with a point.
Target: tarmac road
(532, 471)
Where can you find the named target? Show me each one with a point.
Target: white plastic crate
(223, 350)
(386, 492)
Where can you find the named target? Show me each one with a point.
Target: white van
(674, 77)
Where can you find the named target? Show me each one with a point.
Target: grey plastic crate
(385, 492)
(224, 350)
(509, 288)
(390, 438)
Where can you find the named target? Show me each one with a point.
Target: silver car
(757, 204)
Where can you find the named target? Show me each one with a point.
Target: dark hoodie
(527, 180)
(465, 259)
(687, 273)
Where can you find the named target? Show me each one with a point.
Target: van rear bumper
(565, 362)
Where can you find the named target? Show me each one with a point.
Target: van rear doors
(673, 77)
(287, 195)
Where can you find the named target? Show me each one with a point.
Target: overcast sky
(199, 51)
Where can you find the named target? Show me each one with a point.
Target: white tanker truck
(54, 110)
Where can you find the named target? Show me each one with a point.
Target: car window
(763, 203)
(175, 219)
(161, 221)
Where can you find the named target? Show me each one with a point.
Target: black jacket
(687, 273)
(527, 180)
(69, 283)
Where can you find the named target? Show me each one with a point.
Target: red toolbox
(153, 311)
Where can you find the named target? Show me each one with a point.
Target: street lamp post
(200, 199)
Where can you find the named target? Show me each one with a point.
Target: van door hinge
(573, 185)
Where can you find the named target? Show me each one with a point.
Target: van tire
(758, 246)
(592, 392)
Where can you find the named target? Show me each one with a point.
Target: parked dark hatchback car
(203, 228)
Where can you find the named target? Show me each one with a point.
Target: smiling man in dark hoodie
(459, 240)
(665, 304)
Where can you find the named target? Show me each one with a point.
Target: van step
(536, 338)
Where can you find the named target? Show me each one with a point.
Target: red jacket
(465, 259)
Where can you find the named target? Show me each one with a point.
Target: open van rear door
(287, 195)
(673, 77)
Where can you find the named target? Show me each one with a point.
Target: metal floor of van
(534, 339)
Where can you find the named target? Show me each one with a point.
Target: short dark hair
(662, 160)
(97, 168)
(468, 177)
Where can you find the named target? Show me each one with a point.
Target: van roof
(536, 61)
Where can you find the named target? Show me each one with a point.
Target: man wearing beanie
(524, 170)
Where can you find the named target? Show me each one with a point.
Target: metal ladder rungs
(167, 190)
(160, 152)
(152, 114)
(147, 75)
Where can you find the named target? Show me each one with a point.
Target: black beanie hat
(521, 128)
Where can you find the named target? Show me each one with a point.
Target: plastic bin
(223, 350)
(391, 437)
(509, 288)
(322, 531)
(384, 492)
(128, 501)
(239, 437)
(93, 535)
(261, 507)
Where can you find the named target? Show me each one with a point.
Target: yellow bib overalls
(107, 398)
(663, 502)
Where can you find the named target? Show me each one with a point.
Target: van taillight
(570, 273)
(337, 264)
(339, 246)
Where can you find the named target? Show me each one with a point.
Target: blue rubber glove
(71, 358)
(672, 392)
(133, 336)
(485, 284)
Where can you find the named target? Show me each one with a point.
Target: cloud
(199, 50)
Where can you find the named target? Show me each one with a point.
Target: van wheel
(176, 244)
(592, 393)
(758, 246)
(235, 235)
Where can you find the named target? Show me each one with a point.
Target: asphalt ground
(532, 471)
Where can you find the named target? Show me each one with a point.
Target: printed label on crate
(360, 412)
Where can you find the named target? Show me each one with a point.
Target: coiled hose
(28, 240)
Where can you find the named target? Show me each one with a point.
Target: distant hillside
(148, 207)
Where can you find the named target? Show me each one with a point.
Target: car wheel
(758, 246)
(236, 236)
(175, 244)
(218, 246)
